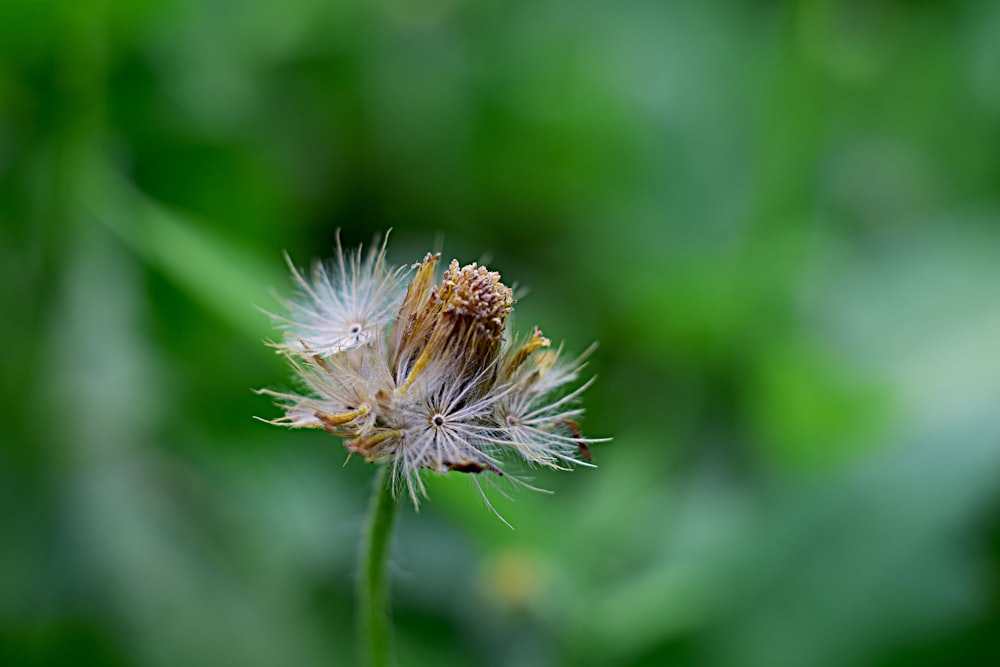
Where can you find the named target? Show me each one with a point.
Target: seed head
(425, 378)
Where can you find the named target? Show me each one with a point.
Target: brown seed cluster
(475, 294)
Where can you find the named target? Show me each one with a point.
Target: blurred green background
(780, 220)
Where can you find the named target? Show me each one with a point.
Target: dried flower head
(424, 378)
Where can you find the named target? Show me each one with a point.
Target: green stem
(373, 589)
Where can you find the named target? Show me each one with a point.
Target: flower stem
(373, 590)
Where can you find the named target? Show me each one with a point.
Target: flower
(425, 378)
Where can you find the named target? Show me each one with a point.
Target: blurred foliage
(779, 220)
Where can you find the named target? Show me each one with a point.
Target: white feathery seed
(345, 303)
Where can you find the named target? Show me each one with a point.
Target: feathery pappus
(420, 374)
